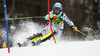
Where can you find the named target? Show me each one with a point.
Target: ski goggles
(57, 9)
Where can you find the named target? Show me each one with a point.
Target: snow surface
(49, 48)
(76, 48)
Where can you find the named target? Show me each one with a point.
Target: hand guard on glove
(53, 16)
(74, 28)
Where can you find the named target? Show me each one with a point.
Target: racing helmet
(57, 6)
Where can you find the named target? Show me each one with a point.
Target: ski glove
(53, 16)
(74, 28)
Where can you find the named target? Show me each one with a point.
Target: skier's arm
(46, 17)
(51, 16)
(73, 27)
(65, 18)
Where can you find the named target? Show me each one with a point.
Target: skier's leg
(57, 33)
(34, 36)
(47, 34)
(30, 40)
(38, 38)
(43, 39)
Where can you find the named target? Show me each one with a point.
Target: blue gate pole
(5, 11)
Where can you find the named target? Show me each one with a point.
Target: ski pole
(86, 35)
(26, 17)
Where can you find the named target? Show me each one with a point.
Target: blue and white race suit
(57, 24)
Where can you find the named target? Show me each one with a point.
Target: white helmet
(57, 5)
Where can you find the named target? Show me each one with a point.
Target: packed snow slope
(48, 48)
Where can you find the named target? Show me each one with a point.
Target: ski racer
(57, 18)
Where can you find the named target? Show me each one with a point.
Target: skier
(57, 18)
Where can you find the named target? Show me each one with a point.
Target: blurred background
(84, 13)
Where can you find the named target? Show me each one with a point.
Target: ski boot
(37, 42)
(23, 44)
(19, 44)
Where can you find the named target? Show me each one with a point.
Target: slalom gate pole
(5, 11)
(86, 35)
(50, 21)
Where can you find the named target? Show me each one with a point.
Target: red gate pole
(50, 21)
